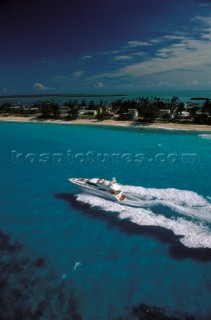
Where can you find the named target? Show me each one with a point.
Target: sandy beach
(156, 125)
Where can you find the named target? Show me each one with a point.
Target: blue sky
(71, 46)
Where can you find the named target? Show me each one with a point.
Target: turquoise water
(108, 257)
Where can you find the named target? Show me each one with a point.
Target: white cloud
(157, 40)
(5, 90)
(100, 85)
(114, 51)
(203, 19)
(194, 82)
(78, 74)
(133, 44)
(207, 36)
(187, 56)
(164, 52)
(122, 58)
(86, 57)
(40, 86)
(174, 37)
(104, 53)
(171, 37)
(141, 53)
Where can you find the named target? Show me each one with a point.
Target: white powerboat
(100, 187)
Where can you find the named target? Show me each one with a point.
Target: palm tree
(48, 109)
(174, 100)
(55, 110)
(6, 107)
(73, 113)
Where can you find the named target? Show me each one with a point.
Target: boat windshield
(93, 184)
(115, 192)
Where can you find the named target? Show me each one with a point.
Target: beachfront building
(165, 114)
(87, 112)
(64, 110)
(185, 114)
(33, 110)
(134, 113)
(165, 111)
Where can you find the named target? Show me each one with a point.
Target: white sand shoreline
(156, 125)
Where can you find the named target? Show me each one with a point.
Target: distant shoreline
(155, 125)
(76, 95)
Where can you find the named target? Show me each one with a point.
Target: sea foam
(194, 233)
(184, 202)
(205, 136)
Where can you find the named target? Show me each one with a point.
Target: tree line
(148, 110)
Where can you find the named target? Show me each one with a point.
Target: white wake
(195, 233)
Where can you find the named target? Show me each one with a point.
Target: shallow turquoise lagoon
(80, 255)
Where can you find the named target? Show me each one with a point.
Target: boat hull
(88, 188)
(98, 193)
(91, 190)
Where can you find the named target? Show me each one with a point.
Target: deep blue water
(112, 257)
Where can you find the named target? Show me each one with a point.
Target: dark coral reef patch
(25, 289)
